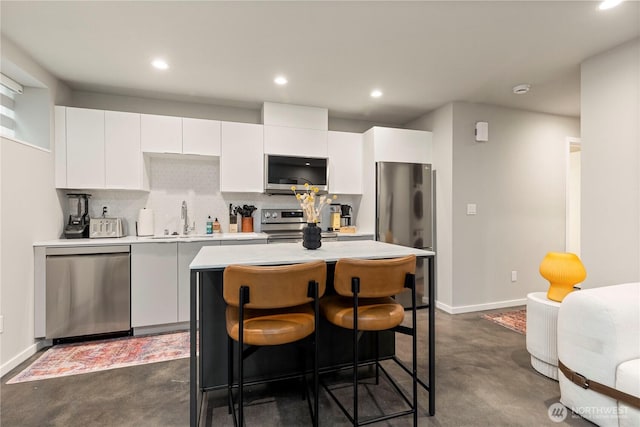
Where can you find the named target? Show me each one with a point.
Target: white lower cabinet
(187, 251)
(154, 273)
(161, 278)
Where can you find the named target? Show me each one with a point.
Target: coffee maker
(334, 221)
(345, 216)
(78, 224)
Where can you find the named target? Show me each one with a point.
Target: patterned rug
(515, 320)
(80, 358)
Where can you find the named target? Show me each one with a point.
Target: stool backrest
(378, 277)
(274, 286)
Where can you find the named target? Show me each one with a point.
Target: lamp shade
(563, 270)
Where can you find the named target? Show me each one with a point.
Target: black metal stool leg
(229, 372)
(377, 341)
(414, 337)
(355, 286)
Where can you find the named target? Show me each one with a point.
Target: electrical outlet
(514, 276)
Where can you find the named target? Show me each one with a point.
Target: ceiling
(421, 54)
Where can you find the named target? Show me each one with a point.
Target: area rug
(80, 358)
(515, 320)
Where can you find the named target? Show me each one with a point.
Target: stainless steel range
(285, 226)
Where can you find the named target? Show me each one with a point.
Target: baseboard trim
(160, 329)
(6, 367)
(480, 307)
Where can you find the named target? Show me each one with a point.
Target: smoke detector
(521, 89)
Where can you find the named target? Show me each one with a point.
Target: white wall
(29, 211)
(610, 98)
(517, 181)
(440, 122)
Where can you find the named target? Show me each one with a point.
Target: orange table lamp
(563, 270)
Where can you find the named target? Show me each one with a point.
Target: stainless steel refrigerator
(405, 209)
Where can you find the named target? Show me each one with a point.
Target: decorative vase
(563, 270)
(247, 224)
(311, 237)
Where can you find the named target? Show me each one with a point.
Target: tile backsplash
(193, 179)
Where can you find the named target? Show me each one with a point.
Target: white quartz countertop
(215, 257)
(129, 240)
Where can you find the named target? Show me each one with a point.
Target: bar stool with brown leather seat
(269, 306)
(364, 303)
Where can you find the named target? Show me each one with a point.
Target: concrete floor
(483, 379)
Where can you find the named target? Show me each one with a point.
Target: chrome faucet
(185, 218)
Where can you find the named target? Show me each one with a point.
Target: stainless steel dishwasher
(88, 291)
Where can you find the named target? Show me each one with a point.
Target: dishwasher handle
(88, 250)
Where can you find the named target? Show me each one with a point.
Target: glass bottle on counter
(216, 226)
(210, 225)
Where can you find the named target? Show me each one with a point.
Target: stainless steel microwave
(281, 172)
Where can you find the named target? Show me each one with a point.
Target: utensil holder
(247, 224)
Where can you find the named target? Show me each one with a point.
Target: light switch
(471, 209)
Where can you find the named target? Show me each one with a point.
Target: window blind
(9, 89)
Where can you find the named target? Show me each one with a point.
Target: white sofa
(599, 338)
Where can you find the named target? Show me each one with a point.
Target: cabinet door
(242, 158)
(61, 146)
(85, 148)
(123, 158)
(201, 137)
(295, 141)
(345, 162)
(154, 284)
(161, 134)
(187, 251)
(402, 145)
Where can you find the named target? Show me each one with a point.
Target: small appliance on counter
(334, 219)
(345, 216)
(105, 227)
(78, 225)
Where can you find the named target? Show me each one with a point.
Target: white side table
(542, 333)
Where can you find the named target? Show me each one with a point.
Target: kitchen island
(208, 347)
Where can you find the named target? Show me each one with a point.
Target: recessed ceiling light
(376, 93)
(160, 64)
(281, 80)
(521, 89)
(609, 4)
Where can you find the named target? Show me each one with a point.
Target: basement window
(25, 105)
(9, 89)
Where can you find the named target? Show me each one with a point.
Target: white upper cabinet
(161, 134)
(290, 141)
(242, 158)
(401, 145)
(85, 148)
(201, 137)
(60, 123)
(98, 149)
(124, 168)
(345, 162)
